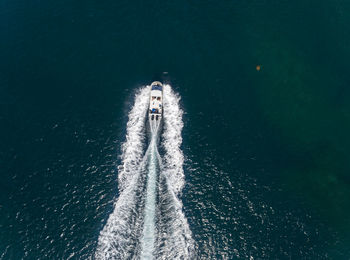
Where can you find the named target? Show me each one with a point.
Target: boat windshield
(156, 87)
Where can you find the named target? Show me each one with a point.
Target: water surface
(266, 152)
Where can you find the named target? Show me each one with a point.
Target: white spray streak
(173, 124)
(132, 148)
(174, 228)
(170, 235)
(117, 239)
(149, 226)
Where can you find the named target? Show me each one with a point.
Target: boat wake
(147, 221)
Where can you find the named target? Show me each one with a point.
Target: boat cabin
(156, 99)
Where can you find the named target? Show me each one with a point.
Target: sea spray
(142, 226)
(149, 225)
(174, 237)
(133, 147)
(119, 237)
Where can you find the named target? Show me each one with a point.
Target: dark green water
(267, 152)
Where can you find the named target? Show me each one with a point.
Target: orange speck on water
(258, 67)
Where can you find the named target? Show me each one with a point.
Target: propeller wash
(147, 221)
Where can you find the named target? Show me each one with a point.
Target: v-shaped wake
(148, 221)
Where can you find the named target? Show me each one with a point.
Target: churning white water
(149, 229)
(147, 221)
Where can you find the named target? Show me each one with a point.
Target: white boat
(156, 101)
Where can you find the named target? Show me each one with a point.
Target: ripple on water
(232, 215)
(55, 207)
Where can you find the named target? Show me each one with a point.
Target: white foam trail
(139, 227)
(133, 147)
(120, 234)
(173, 124)
(175, 238)
(149, 228)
